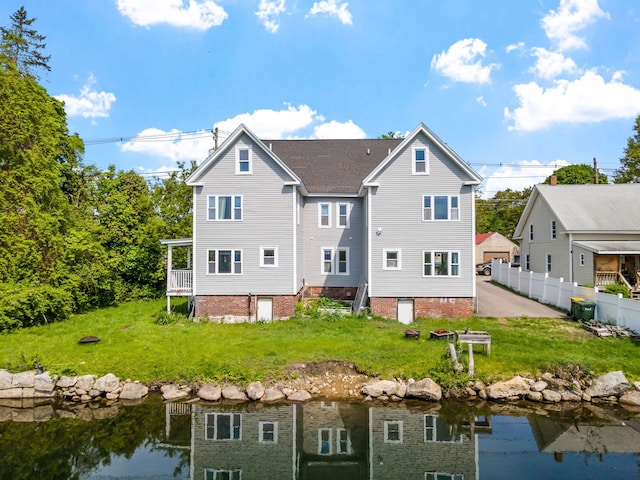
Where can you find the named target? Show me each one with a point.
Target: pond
(318, 440)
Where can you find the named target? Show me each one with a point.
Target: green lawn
(133, 346)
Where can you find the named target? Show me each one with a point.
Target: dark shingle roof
(332, 166)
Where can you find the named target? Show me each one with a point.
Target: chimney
(553, 180)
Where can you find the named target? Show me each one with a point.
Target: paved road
(495, 301)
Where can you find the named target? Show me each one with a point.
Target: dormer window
(243, 161)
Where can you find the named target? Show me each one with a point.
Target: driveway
(496, 301)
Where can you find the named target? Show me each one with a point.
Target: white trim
(232, 208)
(337, 260)
(330, 441)
(249, 149)
(322, 260)
(432, 208)
(261, 432)
(384, 258)
(553, 230)
(347, 215)
(369, 275)
(348, 441)
(450, 263)
(414, 161)
(275, 256)
(217, 261)
(400, 430)
(215, 426)
(328, 225)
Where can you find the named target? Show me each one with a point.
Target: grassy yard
(133, 346)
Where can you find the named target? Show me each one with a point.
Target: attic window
(243, 161)
(420, 163)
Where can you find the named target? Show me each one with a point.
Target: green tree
(21, 45)
(501, 212)
(629, 170)
(391, 135)
(577, 175)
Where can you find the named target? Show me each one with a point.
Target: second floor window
(243, 161)
(324, 215)
(223, 426)
(224, 207)
(440, 207)
(343, 215)
(420, 161)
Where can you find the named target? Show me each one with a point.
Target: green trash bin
(585, 311)
(574, 310)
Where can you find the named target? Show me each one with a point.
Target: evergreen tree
(21, 46)
(629, 170)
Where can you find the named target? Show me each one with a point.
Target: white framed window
(343, 441)
(342, 260)
(527, 262)
(210, 474)
(554, 232)
(531, 232)
(342, 220)
(327, 261)
(392, 259)
(224, 207)
(268, 256)
(548, 263)
(244, 164)
(440, 207)
(324, 215)
(223, 426)
(224, 262)
(443, 476)
(430, 428)
(420, 162)
(325, 441)
(445, 264)
(582, 259)
(393, 431)
(268, 432)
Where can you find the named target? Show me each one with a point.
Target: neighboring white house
(589, 234)
(277, 219)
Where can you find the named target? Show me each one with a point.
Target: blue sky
(516, 87)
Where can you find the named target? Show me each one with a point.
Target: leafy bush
(616, 289)
(167, 318)
(27, 306)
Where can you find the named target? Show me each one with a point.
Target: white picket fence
(612, 309)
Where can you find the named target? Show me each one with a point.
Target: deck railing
(180, 281)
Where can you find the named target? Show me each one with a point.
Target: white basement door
(265, 308)
(405, 311)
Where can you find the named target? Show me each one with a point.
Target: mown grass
(134, 346)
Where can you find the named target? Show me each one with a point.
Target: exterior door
(265, 309)
(405, 311)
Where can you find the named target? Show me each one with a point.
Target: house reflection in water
(328, 440)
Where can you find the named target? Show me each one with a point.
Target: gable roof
(474, 177)
(332, 166)
(481, 237)
(588, 208)
(196, 175)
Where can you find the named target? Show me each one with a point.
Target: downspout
(571, 258)
(473, 245)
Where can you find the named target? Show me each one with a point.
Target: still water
(317, 440)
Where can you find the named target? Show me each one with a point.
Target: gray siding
(316, 238)
(268, 220)
(396, 213)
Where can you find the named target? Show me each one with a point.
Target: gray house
(589, 234)
(274, 220)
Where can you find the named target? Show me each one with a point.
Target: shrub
(616, 289)
(27, 305)
(167, 318)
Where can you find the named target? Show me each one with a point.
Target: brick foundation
(336, 293)
(425, 307)
(241, 308)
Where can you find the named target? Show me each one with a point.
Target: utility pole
(215, 138)
(595, 169)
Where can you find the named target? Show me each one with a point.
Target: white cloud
(481, 101)
(268, 12)
(90, 103)
(199, 15)
(173, 145)
(572, 16)
(517, 177)
(334, 129)
(463, 62)
(273, 124)
(514, 46)
(332, 8)
(550, 65)
(586, 99)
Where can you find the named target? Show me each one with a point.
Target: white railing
(614, 309)
(180, 282)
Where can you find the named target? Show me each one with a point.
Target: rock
(482, 394)
(210, 392)
(287, 391)
(551, 396)
(233, 393)
(425, 389)
(6, 379)
(11, 393)
(534, 396)
(539, 386)
(612, 383)
(255, 390)
(382, 387)
(85, 382)
(93, 393)
(299, 396)
(171, 392)
(514, 387)
(44, 383)
(402, 390)
(570, 396)
(636, 385)
(470, 392)
(24, 379)
(272, 395)
(108, 383)
(133, 391)
(478, 385)
(631, 398)
(112, 396)
(85, 398)
(66, 382)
